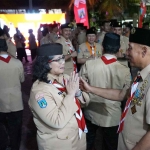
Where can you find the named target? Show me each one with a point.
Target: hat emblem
(133, 30)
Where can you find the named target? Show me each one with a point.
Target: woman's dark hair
(41, 68)
(110, 49)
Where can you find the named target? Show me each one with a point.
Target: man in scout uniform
(124, 41)
(11, 105)
(105, 72)
(54, 33)
(81, 33)
(68, 49)
(135, 120)
(89, 49)
(106, 28)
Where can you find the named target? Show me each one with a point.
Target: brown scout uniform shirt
(68, 63)
(136, 125)
(124, 44)
(101, 111)
(83, 51)
(57, 127)
(11, 74)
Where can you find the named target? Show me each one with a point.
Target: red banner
(80, 11)
(142, 13)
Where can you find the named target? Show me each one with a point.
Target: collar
(108, 59)
(144, 72)
(59, 78)
(5, 58)
(109, 56)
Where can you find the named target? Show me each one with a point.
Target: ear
(144, 51)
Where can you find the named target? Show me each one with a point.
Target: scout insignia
(41, 101)
(61, 93)
(133, 109)
(133, 30)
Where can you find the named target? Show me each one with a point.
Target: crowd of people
(84, 85)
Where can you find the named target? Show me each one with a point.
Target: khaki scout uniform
(100, 37)
(100, 111)
(66, 50)
(137, 124)
(81, 37)
(53, 37)
(11, 48)
(83, 51)
(11, 74)
(56, 122)
(124, 44)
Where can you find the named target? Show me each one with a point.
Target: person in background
(90, 49)
(54, 33)
(11, 104)
(124, 41)
(32, 44)
(103, 115)
(20, 44)
(46, 37)
(105, 29)
(11, 46)
(68, 49)
(81, 33)
(55, 102)
(135, 120)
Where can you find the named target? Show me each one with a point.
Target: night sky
(16, 4)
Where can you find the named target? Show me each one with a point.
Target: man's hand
(84, 86)
(74, 54)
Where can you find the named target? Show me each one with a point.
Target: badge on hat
(133, 30)
(41, 101)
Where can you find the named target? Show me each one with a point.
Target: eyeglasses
(60, 60)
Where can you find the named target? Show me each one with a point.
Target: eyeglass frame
(58, 60)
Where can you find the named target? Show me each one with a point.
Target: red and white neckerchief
(107, 60)
(133, 89)
(72, 50)
(79, 115)
(5, 58)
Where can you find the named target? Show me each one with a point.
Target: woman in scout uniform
(89, 49)
(54, 102)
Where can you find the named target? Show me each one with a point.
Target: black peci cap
(140, 36)
(50, 49)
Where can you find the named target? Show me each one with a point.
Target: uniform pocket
(66, 134)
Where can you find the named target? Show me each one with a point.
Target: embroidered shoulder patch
(41, 101)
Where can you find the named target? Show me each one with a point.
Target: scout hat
(117, 24)
(111, 39)
(66, 25)
(140, 36)
(3, 45)
(50, 49)
(90, 31)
